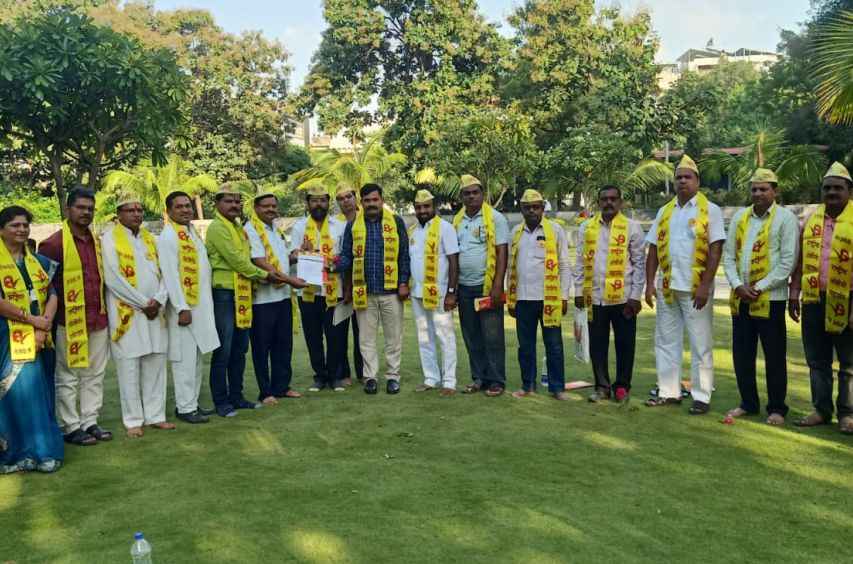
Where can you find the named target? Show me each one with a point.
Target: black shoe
(194, 418)
(81, 438)
(205, 412)
(392, 387)
(225, 410)
(370, 386)
(100, 434)
(246, 404)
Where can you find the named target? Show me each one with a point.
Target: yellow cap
(839, 170)
(688, 163)
(344, 190)
(764, 175)
(316, 190)
(127, 198)
(264, 194)
(423, 196)
(530, 195)
(229, 188)
(468, 180)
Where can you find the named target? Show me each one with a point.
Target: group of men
(176, 297)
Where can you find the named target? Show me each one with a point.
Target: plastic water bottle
(141, 550)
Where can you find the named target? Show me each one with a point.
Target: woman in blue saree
(29, 436)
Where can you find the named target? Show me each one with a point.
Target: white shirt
(449, 246)
(635, 268)
(336, 232)
(269, 293)
(202, 330)
(682, 240)
(531, 262)
(144, 336)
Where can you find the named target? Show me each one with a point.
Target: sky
(680, 24)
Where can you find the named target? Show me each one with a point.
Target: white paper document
(309, 267)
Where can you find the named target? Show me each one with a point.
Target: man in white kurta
(434, 324)
(140, 353)
(192, 329)
(691, 306)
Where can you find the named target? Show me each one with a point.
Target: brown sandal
(813, 419)
(846, 425)
(662, 402)
(472, 388)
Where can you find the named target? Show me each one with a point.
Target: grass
(417, 478)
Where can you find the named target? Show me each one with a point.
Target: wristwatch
(451, 290)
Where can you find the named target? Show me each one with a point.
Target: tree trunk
(576, 200)
(56, 170)
(199, 210)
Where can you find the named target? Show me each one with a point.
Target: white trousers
(671, 321)
(385, 310)
(436, 326)
(186, 375)
(80, 386)
(142, 387)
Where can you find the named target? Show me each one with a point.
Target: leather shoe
(370, 386)
(392, 387)
(194, 418)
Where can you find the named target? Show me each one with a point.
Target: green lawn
(418, 478)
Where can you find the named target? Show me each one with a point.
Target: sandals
(699, 408)
(495, 390)
(845, 425)
(472, 388)
(776, 419)
(662, 402)
(811, 420)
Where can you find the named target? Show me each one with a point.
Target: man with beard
(759, 254)
(189, 314)
(82, 336)
(609, 274)
(348, 204)
(319, 233)
(376, 250)
(686, 240)
(824, 275)
(435, 272)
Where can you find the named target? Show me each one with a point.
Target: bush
(45, 209)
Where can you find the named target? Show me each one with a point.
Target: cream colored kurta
(202, 330)
(144, 336)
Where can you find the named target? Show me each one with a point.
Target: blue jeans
(528, 317)
(272, 347)
(228, 361)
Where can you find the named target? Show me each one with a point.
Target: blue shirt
(374, 255)
(472, 246)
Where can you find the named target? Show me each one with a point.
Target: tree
(153, 183)
(418, 60)
(833, 45)
(86, 96)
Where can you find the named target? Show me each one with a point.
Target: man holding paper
(319, 237)
(272, 317)
(434, 253)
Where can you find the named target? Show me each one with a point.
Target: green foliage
(833, 45)
(45, 208)
(84, 95)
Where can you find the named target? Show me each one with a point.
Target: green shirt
(227, 258)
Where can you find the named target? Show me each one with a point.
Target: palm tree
(153, 183)
(833, 67)
(332, 168)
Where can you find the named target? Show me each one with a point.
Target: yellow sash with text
(242, 285)
(77, 334)
(617, 260)
(759, 262)
(359, 246)
(491, 252)
(700, 249)
(127, 269)
(327, 247)
(187, 264)
(838, 277)
(552, 308)
(432, 244)
(22, 336)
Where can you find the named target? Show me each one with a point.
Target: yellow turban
(838, 170)
(530, 196)
(423, 196)
(688, 163)
(468, 180)
(764, 175)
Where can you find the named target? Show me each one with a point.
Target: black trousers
(483, 333)
(326, 361)
(624, 337)
(346, 369)
(819, 346)
(272, 347)
(746, 332)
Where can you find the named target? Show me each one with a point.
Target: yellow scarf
(838, 283)
(327, 247)
(700, 250)
(432, 244)
(359, 245)
(127, 268)
(759, 262)
(552, 310)
(22, 336)
(491, 252)
(187, 264)
(77, 334)
(617, 260)
(242, 285)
